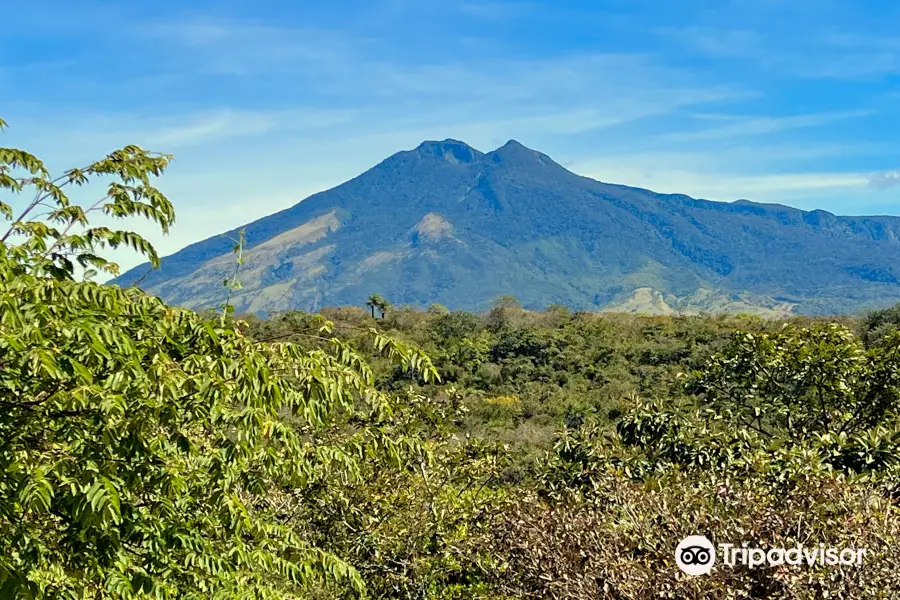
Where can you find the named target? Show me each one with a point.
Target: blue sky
(266, 102)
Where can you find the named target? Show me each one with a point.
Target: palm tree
(383, 306)
(374, 301)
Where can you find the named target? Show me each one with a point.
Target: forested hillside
(149, 451)
(447, 223)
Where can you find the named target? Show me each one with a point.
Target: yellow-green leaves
(234, 283)
(19, 159)
(50, 234)
(153, 433)
(409, 357)
(36, 494)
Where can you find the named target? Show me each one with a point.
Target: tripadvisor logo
(696, 555)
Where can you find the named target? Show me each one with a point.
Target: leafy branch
(49, 246)
(234, 283)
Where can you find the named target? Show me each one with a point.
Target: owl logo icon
(695, 555)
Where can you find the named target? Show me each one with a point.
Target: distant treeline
(525, 374)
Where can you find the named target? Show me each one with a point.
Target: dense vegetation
(148, 451)
(620, 435)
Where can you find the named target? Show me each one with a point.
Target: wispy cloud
(819, 54)
(229, 47)
(741, 126)
(724, 186)
(210, 128)
(719, 43)
(496, 10)
(75, 138)
(225, 124)
(885, 180)
(767, 172)
(332, 62)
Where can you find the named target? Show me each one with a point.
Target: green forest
(149, 451)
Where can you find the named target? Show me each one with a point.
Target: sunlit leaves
(160, 436)
(233, 284)
(800, 381)
(19, 159)
(51, 235)
(36, 494)
(149, 452)
(788, 404)
(409, 357)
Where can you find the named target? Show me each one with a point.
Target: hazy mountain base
(653, 302)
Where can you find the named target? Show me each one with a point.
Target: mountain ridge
(513, 221)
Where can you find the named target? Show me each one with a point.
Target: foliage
(620, 543)
(407, 531)
(802, 382)
(878, 324)
(234, 283)
(149, 451)
(52, 238)
(732, 441)
(377, 301)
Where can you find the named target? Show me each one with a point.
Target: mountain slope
(446, 223)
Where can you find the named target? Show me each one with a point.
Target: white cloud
(77, 139)
(495, 10)
(220, 125)
(754, 172)
(719, 42)
(885, 180)
(725, 186)
(248, 48)
(210, 128)
(337, 64)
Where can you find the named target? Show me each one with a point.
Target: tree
(384, 306)
(785, 403)
(502, 310)
(879, 324)
(374, 301)
(377, 301)
(51, 239)
(506, 302)
(802, 382)
(437, 309)
(149, 451)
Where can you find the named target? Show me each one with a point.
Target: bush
(620, 543)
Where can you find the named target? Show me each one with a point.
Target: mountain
(446, 223)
